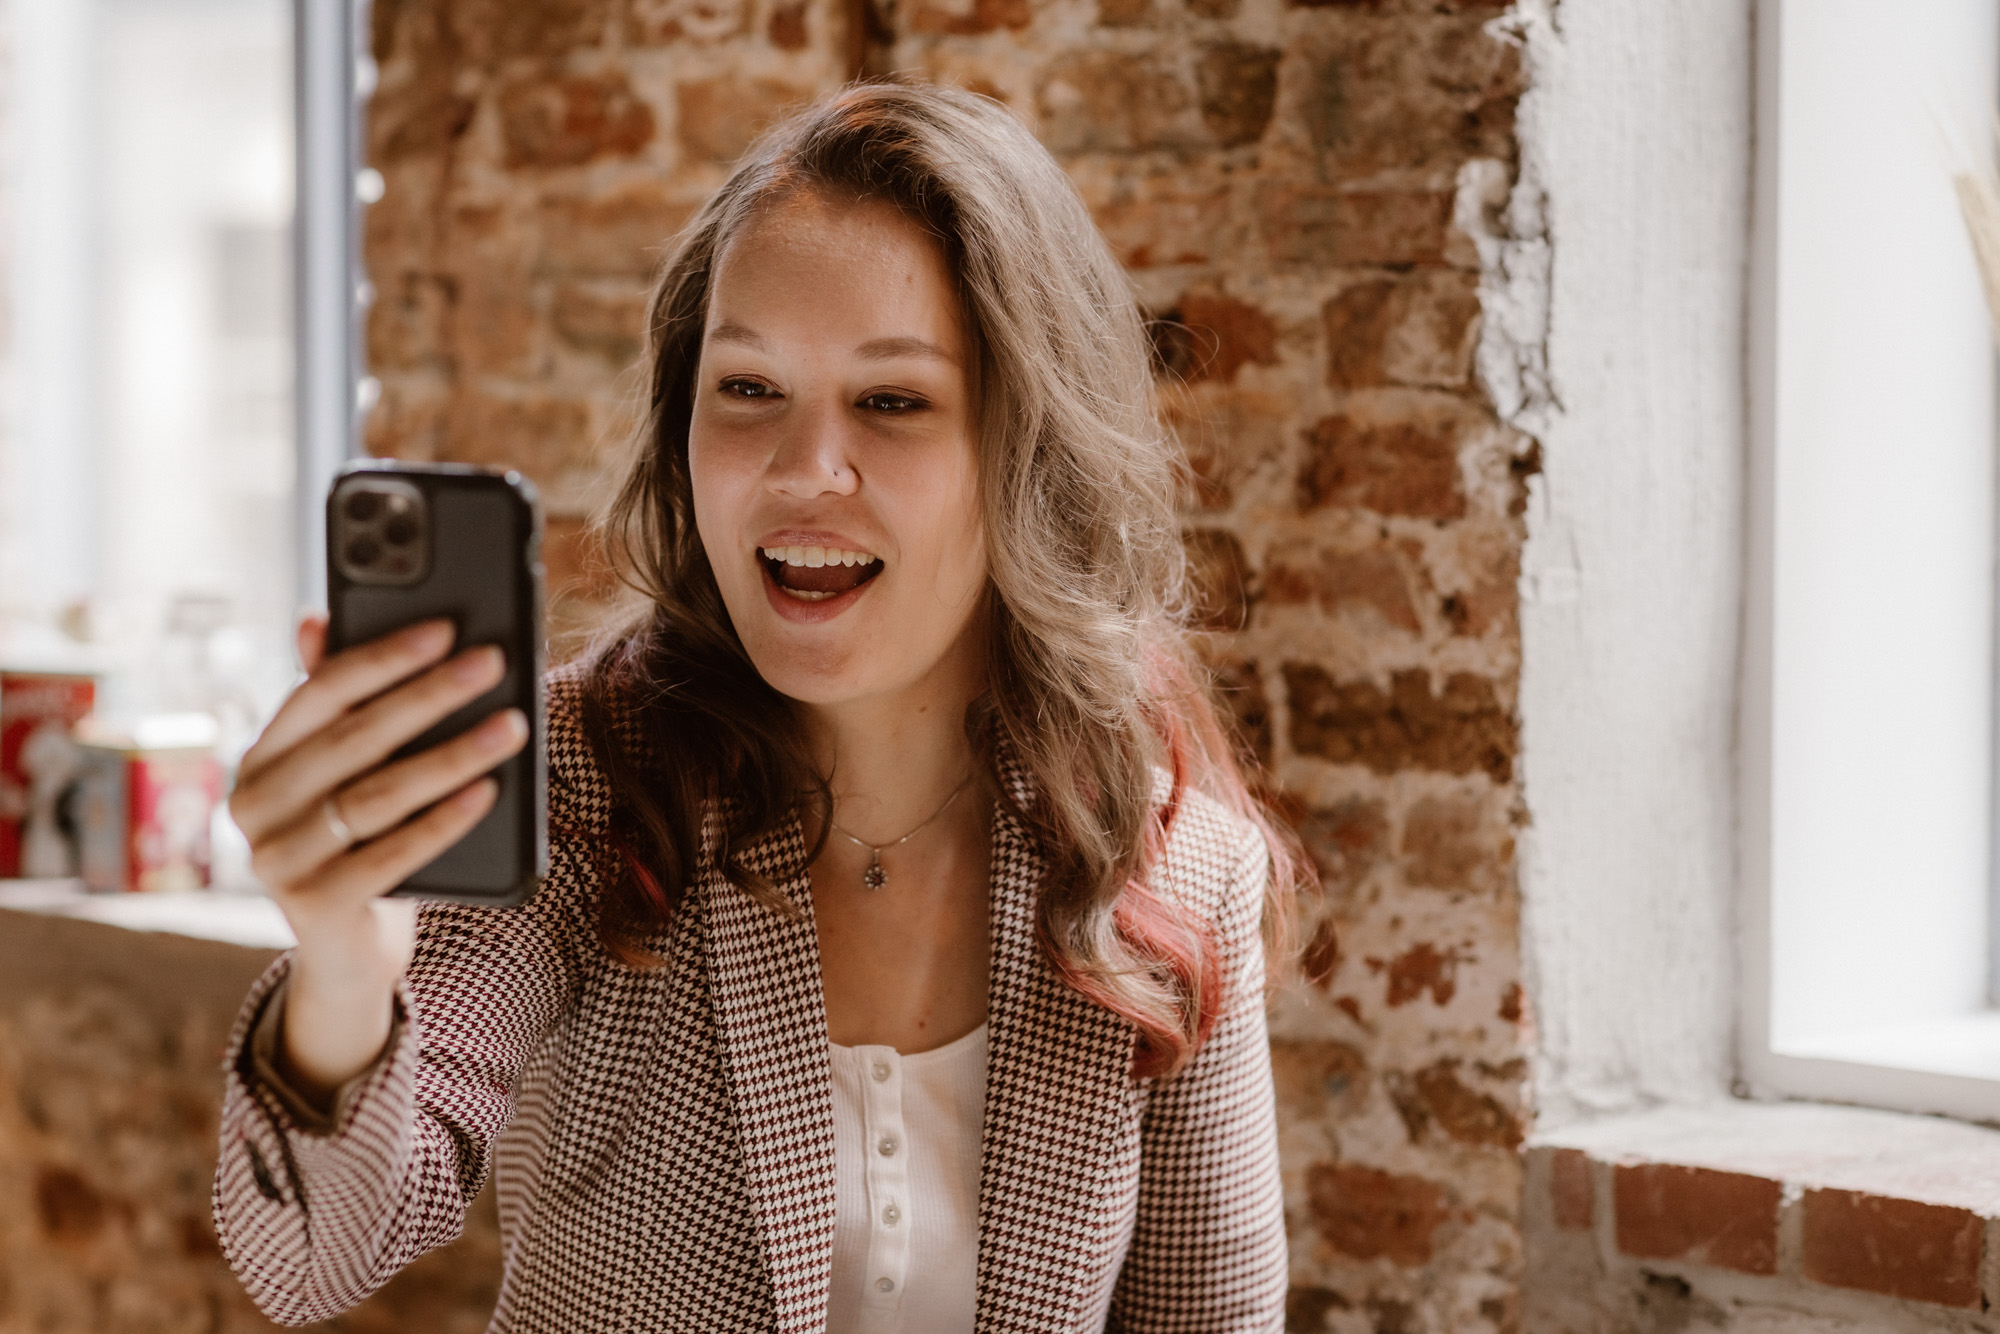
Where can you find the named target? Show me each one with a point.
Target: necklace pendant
(875, 877)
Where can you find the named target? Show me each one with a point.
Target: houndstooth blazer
(663, 1138)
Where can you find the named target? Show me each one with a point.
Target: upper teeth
(816, 556)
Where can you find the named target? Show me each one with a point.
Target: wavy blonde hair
(1094, 689)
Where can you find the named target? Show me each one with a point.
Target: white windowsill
(250, 920)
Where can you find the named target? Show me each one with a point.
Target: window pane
(146, 447)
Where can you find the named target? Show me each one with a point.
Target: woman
(899, 963)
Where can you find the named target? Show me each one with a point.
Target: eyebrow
(875, 349)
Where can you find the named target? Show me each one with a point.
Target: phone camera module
(380, 530)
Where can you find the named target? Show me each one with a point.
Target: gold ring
(342, 835)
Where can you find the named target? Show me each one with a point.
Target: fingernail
(431, 637)
(479, 664)
(503, 731)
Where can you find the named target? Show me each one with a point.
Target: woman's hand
(332, 827)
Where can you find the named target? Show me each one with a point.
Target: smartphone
(409, 542)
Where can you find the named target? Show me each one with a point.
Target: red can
(144, 817)
(39, 712)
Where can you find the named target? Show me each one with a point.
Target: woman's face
(832, 453)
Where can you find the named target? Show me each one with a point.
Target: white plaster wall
(1636, 141)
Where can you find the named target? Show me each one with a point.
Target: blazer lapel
(1060, 1145)
(771, 1018)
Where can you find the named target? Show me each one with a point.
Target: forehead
(868, 261)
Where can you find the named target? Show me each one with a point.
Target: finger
(385, 798)
(378, 866)
(360, 739)
(311, 641)
(345, 680)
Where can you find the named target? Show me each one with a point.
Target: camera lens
(400, 530)
(363, 505)
(363, 551)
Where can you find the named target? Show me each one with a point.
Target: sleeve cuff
(305, 1115)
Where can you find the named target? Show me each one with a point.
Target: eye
(891, 402)
(738, 387)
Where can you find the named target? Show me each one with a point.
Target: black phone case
(485, 576)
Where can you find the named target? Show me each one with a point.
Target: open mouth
(814, 574)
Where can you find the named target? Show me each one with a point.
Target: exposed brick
(1210, 337)
(1239, 86)
(1446, 844)
(1903, 1248)
(1306, 1308)
(1329, 226)
(620, 234)
(1241, 688)
(1221, 579)
(413, 122)
(1316, 1076)
(1124, 13)
(1436, 1096)
(1113, 102)
(1392, 458)
(1346, 841)
(1422, 92)
(1423, 967)
(406, 324)
(610, 324)
(1374, 578)
(719, 118)
(1572, 1190)
(566, 122)
(1370, 1214)
(672, 22)
(1462, 729)
(69, 1208)
(967, 19)
(543, 436)
(1667, 1212)
(787, 28)
(1419, 330)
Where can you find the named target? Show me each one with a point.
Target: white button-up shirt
(906, 1178)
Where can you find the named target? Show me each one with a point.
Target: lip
(808, 613)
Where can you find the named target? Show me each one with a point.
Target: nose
(813, 457)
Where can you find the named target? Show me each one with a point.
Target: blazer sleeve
(315, 1217)
(1208, 1245)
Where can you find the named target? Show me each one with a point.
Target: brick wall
(1295, 185)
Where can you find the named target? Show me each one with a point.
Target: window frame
(1875, 1069)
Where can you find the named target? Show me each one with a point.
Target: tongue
(824, 578)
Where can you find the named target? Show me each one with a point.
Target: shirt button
(887, 1148)
(890, 1214)
(880, 1070)
(885, 1285)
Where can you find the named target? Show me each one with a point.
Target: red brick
(1374, 578)
(1114, 102)
(1902, 1248)
(1572, 1190)
(544, 436)
(1217, 337)
(1240, 687)
(1420, 93)
(1726, 1219)
(787, 28)
(1370, 1214)
(1418, 330)
(669, 22)
(720, 118)
(621, 234)
(1422, 967)
(1447, 845)
(1220, 577)
(1436, 1096)
(1238, 83)
(567, 122)
(1310, 1073)
(1392, 455)
(1324, 226)
(610, 324)
(1462, 729)
(1345, 841)
(979, 16)
(1320, 960)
